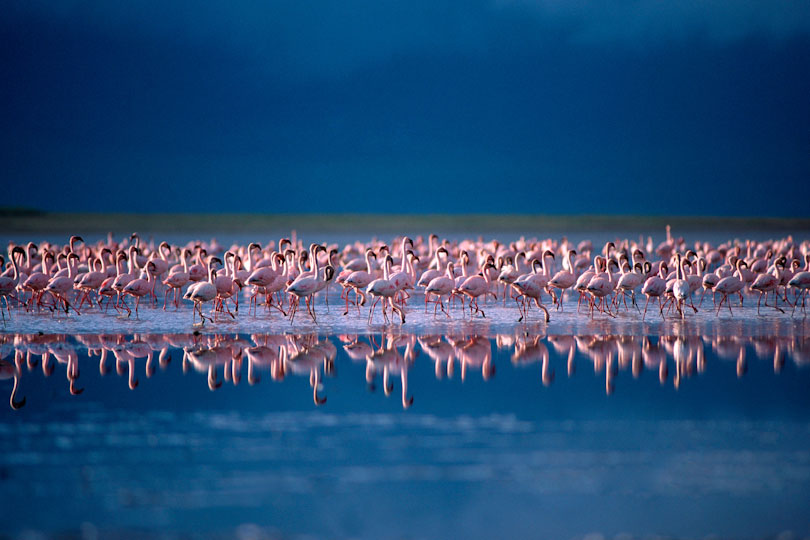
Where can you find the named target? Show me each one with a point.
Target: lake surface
(463, 428)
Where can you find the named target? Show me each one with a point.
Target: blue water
(523, 435)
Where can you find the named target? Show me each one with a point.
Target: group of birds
(529, 272)
(227, 358)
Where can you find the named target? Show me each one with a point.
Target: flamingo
(404, 279)
(203, 291)
(432, 273)
(730, 285)
(510, 272)
(359, 280)
(441, 286)
(124, 278)
(801, 282)
(9, 284)
(601, 286)
(91, 281)
(681, 289)
(140, 287)
(60, 286)
(306, 285)
(564, 279)
(106, 288)
(530, 286)
(581, 284)
(767, 282)
(476, 286)
(177, 279)
(655, 287)
(226, 286)
(384, 288)
(37, 281)
(629, 282)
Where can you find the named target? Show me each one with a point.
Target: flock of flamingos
(462, 275)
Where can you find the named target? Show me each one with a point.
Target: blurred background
(524, 106)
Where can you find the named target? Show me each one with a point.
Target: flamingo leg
(441, 303)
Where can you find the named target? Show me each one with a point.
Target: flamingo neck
(518, 267)
(368, 262)
(16, 268)
(314, 263)
(411, 269)
(28, 259)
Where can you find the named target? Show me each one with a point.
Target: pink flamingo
(441, 286)
(730, 285)
(306, 285)
(600, 287)
(767, 282)
(37, 281)
(476, 286)
(681, 289)
(801, 282)
(564, 279)
(176, 280)
(530, 286)
(203, 291)
(123, 279)
(61, 286)
(433, 271)
(9, 284)
(384, 288)
(629, 282)
(140, 287)
(359, 280)
(655, 287)
(226, 287)
(91, 281)
(106, 288)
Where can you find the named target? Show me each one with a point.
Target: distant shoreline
(22, 221)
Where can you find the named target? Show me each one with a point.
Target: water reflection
(224, 358)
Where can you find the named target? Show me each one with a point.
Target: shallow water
(497, 317)
(668, 428)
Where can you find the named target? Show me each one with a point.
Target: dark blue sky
(693, 107)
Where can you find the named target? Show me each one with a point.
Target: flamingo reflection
(223, 357)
